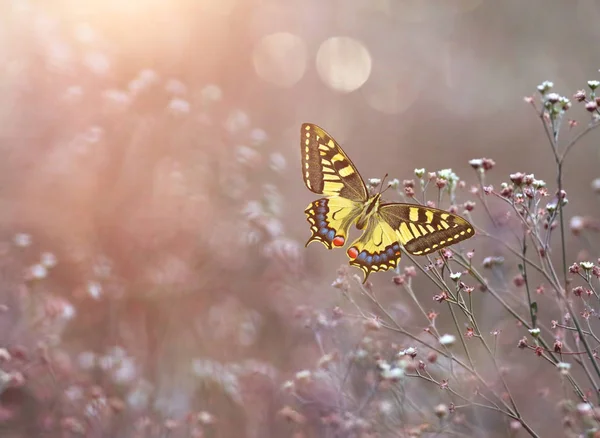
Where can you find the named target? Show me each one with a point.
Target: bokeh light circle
(343, 63)
(280, 59)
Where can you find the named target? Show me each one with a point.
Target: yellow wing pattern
(326, 169)
(386, 228)
(423, 230)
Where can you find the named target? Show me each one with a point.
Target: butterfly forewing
(326, 169)
(423, 230)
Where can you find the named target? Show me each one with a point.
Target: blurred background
(151, 199)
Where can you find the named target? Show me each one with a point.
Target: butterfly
(328, 171)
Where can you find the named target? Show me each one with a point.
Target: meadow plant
(501, 340)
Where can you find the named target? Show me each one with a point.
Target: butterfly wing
(330, 219)
(423, 230)
(326, 168)
(378, 248)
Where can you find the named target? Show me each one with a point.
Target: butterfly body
(328, 171)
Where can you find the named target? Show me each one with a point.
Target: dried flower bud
(591, 106)
(518, 280)
(552, 97)
(488, 164)
(409, 183)
(577, 291)
(517, 178)
(469, 206)
(579, 96)
(574, 268)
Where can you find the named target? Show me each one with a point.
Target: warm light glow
(343, 63)
(280, 59)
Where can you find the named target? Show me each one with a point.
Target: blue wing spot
(376, 259)
(369, 260)
(362, 256)
(321, 210)
(322, 224)
(384, 257)
(320, 217)
(389, 253)
(323, 231)
(330, 235)
(396, 247)
(322, 202)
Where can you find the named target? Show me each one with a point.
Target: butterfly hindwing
(378, 248)
(326, 169)
(423, 230)
(330, 219)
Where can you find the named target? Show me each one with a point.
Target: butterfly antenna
(381, 186)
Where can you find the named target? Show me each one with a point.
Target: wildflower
(551, 207)
(37, 272)
(277, 162)
(517, 178)
(455, 276)
(593, 84)
(552, 97)
(303, 376)
(563, 367)
(441, 411)
(579, 96)
(447, 340)
(576, 224)
(292, 415)
(372, 324)
(237, 121)
(488, 189)
(175, 86)
(178, 105)
(591, 106)
(522, 343)
(476, 163)
(545, 86)
(587, 266)
(488, 164)
(22, 240)
(94, 289)
(410, 271)
(558, 345)
(399, 279)
(469, 206)
(211, 93)
(419, 173)
(374, 182)
(258, 136)
(394, 183)
(519, 280)
(577, 291)
(535, 332)
(489, 262)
